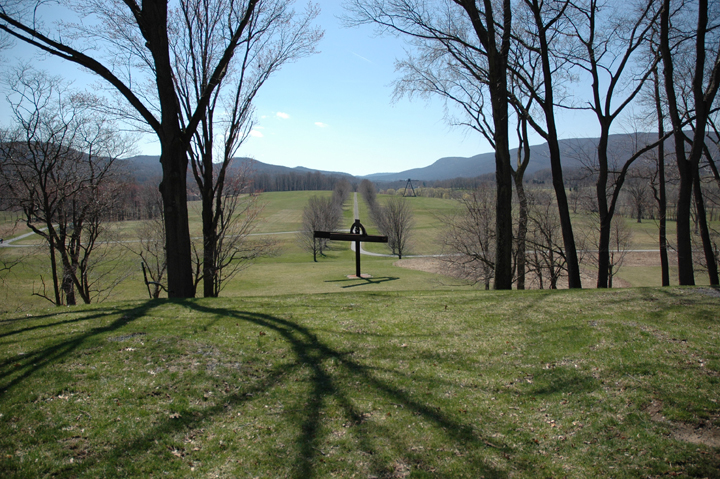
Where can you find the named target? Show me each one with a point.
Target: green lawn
(291, 270)
(367, 383)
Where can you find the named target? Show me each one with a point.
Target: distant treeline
(316, 181)
(310, 181)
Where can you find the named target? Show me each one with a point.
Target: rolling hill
(575, 152)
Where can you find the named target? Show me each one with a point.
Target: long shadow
(53, 324)
(38, 359)
(311, 352)
(365, 281)
(60, 311)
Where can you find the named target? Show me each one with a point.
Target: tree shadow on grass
(562, 380)
(312, 353)
(326, 390)
(16, 369)
(363, 281)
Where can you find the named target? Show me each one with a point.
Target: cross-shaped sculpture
(358, 235)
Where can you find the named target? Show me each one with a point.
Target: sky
(334, 110)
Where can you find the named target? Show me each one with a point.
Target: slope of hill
(575, 153)
(144, 168)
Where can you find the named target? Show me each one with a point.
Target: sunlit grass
(372, 384)
(292, 269)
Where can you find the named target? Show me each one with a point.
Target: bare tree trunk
(177, 236)
(53, 267)
(603, 210)
(662, 209)
(705, 232)
(522, 232)
(497, 57)
(518, 177)
(548, 105)
(68, 287)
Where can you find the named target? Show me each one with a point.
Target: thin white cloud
(282, 115)
(361, 57)
(321, 124)
(256, 134)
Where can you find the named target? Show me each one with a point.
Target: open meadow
(290, 269)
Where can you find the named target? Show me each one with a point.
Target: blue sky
(340, 114)
(334, 110)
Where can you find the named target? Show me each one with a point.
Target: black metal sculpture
(358, 235)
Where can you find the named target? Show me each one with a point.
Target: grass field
(291, 270)
(580, 384)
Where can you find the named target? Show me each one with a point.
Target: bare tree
(396, 223)
(151, 242)
(546, 258)
(57, 166)
(368, 192)
(320, 214)
(620, 242)
(127, 44)
(612, 46)
(341, 192)
(541, 27)
(235, 249)
(274, 36)
(695, 40)
(468, 237)
(638, 192)
(475, 39)
(658, 182)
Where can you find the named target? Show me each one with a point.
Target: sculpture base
(362, 276)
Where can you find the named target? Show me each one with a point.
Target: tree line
(507, 68)
(190, 74)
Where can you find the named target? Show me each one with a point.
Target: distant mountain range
(574, 152)
(145, 168)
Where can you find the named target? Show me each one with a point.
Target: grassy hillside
(381, 384)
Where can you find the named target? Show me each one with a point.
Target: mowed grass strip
(407, 384)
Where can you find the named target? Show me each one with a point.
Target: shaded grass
(383, 384)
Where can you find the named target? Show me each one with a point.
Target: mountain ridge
(575, 153)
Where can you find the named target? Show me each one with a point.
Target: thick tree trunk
(573, 265)
(173, 188)
(53, 267)
(173, 156)
(209, 246)
(662, 211)
(686, 275)
(503, 208)
(68, 288)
